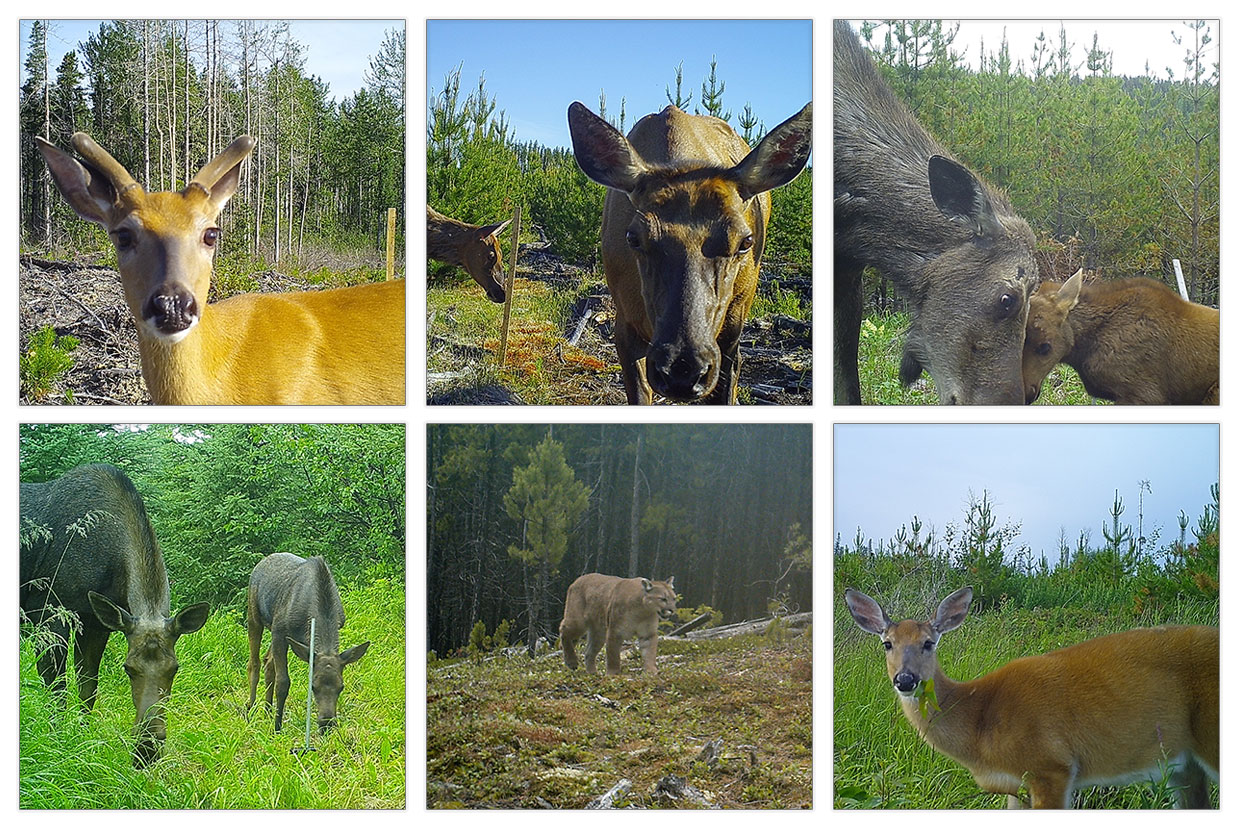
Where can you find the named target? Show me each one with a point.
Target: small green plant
(45, 361)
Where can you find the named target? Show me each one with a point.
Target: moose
(683, 232)
(469, 246)
(342, 347)
(88, 550)
(1133, 341)
(949, 242)
(1112, 710)
(285, 592)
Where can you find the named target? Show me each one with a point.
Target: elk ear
(780, 156)
(300, 650)
(190, 619)
(866, 612)
(952, 610)
(88, 191)
(109, 614)
(493, 229)
(602, 152)
(962, 198)
(354, 653)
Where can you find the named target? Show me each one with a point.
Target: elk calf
(1134, 341)
(1108, 711)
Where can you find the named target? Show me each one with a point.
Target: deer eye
(746, 245)
(1043, 349)
(211, 236)
(124, 238)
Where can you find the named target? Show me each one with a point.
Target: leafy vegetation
(1022, 607)
(46, 360)
(511, 733)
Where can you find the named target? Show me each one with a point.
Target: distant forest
(165, 96)
(516, 512)
(1117, 174)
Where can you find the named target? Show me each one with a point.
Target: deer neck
(947, 729)
(187, 372)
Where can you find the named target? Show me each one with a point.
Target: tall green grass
(214, 756)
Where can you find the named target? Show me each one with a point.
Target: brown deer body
(1109, 711)
(683, 232)
(344, 346)
(1134, 341)
(469, 246)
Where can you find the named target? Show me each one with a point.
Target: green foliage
(790, 234)
(46, 360)
(216, 757)
(546, 498)
(567, 205)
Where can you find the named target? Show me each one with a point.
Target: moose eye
(1043, 349)
(1007, 304)
(746, 245)
(633, 240)
(211, 236)
(124, 238)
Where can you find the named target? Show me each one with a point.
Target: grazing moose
(1134, 341)
(88, 548)
(948, 241)
(1111, 710)
(342, 347)
(469, 246)
(684, 228)
(285, 593)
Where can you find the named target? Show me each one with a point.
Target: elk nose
(171, 310)
(904, 681)
(678, 373)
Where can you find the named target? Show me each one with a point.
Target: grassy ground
(880, 762)
(214, 757)
(509, 733)
(878, 360)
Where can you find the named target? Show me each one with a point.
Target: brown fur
(684, 228)
(1134, 341)
(342, 347)
(1111, 710)
(606, 607)
(469, 246)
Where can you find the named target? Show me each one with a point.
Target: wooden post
(391, 243)
(1179, 278)
(515, 235)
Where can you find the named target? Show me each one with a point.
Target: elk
(88, 547)
(1134, 341)
(683, 232)
(1108, 711)
(949, 242)
(343, 346)
(469, 246)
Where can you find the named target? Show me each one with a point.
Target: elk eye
(211, 236)
(1044, 349)
(124, 238)
(633, 240)
(746, 245)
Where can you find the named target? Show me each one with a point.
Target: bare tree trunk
(634, 512)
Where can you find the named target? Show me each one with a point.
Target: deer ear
(88, 191)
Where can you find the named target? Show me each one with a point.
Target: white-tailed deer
(469, 246)
(1109, 711)
(344, 346)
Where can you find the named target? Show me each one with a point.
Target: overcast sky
(1042, 477)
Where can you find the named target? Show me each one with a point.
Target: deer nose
(171, 310)
(904, 681)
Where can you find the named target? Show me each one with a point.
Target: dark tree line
(222, 496)
(164, 96)
(726, 509)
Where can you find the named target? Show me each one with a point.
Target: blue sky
(536, 68)
(338, 51)
(1039, 476)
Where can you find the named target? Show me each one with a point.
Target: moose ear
(962, 198)
(109, 614)
(354, 653)
(191, 618)
(300, 650)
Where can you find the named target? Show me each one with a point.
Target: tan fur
(683, 232)
(1134, 341)
(606, 607)
(1111, 710)
(469, 246)
(344, 346)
